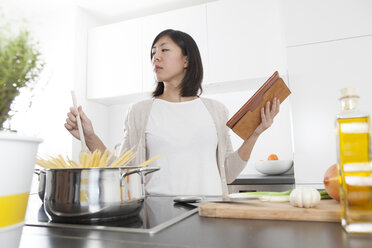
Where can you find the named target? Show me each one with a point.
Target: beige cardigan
(229, 162)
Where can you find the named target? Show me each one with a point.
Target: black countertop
(196, 231)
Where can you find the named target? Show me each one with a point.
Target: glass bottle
(353, 155)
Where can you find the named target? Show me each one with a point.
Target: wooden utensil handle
(80, 126)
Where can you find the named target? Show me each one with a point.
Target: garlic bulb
(304, 197)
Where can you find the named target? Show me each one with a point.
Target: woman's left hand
(267, 115)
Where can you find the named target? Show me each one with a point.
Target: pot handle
(142, 170)
(39, 171)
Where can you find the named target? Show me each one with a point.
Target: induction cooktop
(158, 213)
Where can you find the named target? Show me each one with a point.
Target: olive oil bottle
(354, 164)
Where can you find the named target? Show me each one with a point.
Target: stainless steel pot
(41, 187)
(94, 194)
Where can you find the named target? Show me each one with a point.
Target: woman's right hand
(71, 123)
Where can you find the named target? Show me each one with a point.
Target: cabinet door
(245, 39)
(190, 20)
(317, 72)
(319, 20)
(114, 61)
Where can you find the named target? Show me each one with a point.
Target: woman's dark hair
(191, 83)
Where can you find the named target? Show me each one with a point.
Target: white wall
(98, 113)
(54, 30)
(62, 34)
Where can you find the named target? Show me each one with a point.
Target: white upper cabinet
(191, 20)
(245, 39)
(317, 73)
(114, 61)
(237, 39)
(319, 20)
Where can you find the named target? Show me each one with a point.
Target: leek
(259, 194)
(274, 196)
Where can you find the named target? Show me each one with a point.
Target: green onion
(259, 194)
(323, 194)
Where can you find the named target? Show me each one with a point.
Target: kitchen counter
(196, 231)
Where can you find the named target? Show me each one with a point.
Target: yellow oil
(355, 173)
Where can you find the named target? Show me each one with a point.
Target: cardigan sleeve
(233, 162)
(125, 144)
(134, 130)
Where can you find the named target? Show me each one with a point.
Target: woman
(188, 130)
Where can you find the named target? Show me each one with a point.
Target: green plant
(20, 66)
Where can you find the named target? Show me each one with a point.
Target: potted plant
(20, 65)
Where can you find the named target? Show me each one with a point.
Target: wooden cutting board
(326, 211)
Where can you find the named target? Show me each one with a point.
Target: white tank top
(185, 134)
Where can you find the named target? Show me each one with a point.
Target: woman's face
(168, 62)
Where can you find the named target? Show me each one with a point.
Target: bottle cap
(348, 92)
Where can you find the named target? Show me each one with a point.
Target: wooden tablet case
(247, 119)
